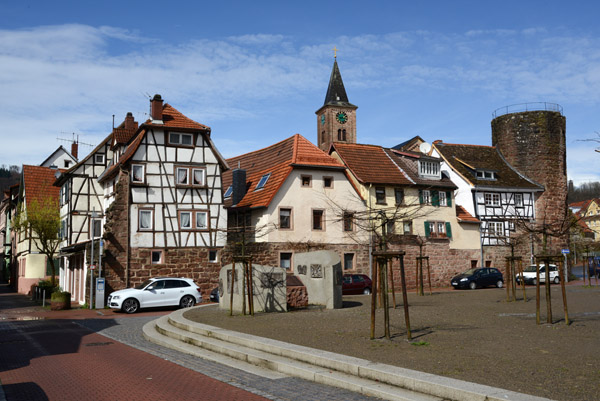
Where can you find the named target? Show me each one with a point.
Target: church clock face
(342, 117)
(322, 119)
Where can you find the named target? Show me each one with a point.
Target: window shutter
(420, 196)
(449, 198)
(435, 198)
(427, 233)
(448, 230)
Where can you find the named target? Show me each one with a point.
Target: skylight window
(262, 181)
(228, 192)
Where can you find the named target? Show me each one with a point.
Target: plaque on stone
(301, 269)
(316, 271)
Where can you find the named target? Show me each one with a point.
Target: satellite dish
(425, 147)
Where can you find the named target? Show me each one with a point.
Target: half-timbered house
(164, 211)
(494, 192)
(81, 213)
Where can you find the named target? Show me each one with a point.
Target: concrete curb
(366, 377)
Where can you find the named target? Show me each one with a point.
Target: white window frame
(291, 260)
(491, 199)
(187, 176)
(519, 200)
(196, 214)
(133, 167)
(99, 158)
(193, 176)
(429, 168)
(190, 222)
(426, 197)
(228, 192)
(179, 140)
(442, 198)
(263, 181)
(495, 227)
(143, 211)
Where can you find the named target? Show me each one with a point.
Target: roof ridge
(464, 144)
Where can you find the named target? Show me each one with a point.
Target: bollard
(44, 297)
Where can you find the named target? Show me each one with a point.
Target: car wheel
(472, 285)
(130, 305)
(534, 282)
(556, 280)
(499, 284)
(367, 291)
(187, 301)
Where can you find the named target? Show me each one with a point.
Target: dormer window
(180, 139)
(486, 174)
(429, 169)
(263, 181)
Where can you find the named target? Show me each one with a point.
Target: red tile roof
(370, 164)
(278, 160)
(465, 217)
(38, 182)
(173, 118)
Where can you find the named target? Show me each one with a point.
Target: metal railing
(521, 107)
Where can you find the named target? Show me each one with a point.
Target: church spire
(336, 93)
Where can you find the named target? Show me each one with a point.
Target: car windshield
(143, 285)
(530, 269)
(470, 272)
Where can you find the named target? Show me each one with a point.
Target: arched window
(344, 135)
(340, 134)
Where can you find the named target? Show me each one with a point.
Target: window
(96, 228)
(156, 257)
(137, 173)
(228, 192)
(429, 168)
(492, 199)
(496, 229)
(285, 260)
(380, 195)
(263, 181)
(317, 219)
(348, 261)
(518, 200)
(390, 226)
(327, 182)
(348, 221)
(145, 219)
(181, 139)
(213, 256)
(64, 193)
(191, 220)
(67, 163)
(438, 229)
(485, 175)
(442, 198)
(285, 218)
(341, 135)
(399, 195)
(306, 180)
(63, 229)
(99, 159)
(190, 176)
(425, 197)
(407, 227)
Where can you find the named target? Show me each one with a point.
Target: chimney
(238, 185)
(74, 149)
(156, 106)
(130, 124)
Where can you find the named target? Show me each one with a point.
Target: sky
(256, 71)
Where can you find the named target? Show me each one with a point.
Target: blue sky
(256, 72)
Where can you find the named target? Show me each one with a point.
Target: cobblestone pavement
(129, 331)
(84, 354)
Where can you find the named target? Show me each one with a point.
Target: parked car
(478, 277)
(214, 295)
(156, 292)
(529, 274)
(356, 284)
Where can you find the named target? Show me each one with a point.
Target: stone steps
(275, 359)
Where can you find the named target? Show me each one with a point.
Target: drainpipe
(371, 234)
(128, 252)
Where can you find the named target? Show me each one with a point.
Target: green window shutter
(420, 196)
(449, 197)
(448, 230)
(427, 233)
(435, 198)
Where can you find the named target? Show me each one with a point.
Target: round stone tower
(534, 142)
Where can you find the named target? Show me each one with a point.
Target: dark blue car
(478, 277)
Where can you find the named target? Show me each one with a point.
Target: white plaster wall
(303, 200)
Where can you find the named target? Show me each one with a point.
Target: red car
(356, 284)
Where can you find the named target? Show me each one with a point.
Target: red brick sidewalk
(54, 359)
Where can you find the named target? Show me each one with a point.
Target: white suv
(155, 292)
(529, 274)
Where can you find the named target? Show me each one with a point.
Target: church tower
(336, 119)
